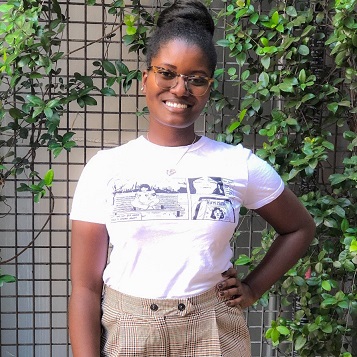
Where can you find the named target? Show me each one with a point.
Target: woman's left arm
(295, 228)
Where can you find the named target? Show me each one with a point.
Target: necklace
(172, 171)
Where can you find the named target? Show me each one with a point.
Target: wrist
(252, 291)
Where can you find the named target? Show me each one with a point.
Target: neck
(175, 139)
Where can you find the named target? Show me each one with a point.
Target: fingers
(232, 295)
(234, 291)
(230, 273)
(230, 290)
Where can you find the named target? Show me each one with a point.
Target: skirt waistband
(161, 307)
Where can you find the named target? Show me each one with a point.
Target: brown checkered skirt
(200, 326)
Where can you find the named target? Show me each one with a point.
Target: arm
(295, 229)
(89, 249)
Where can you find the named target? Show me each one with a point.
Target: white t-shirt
(170, 234)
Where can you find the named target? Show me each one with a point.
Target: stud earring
(142, 88)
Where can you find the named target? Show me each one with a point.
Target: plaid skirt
(199, 326)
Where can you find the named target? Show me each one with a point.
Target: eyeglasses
(167, 79)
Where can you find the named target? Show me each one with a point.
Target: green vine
(295, 65)
(275, 63)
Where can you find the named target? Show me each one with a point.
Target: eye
(198, 81)
(168, 75)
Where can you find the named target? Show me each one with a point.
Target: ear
(143, 82)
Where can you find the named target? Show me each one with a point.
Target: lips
(176, 105)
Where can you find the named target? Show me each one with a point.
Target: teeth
(176, 105)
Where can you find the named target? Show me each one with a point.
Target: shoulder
(225, 148)
(107, 155)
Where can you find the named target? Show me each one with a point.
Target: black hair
(188, 20)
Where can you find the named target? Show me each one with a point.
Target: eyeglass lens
(196, 85)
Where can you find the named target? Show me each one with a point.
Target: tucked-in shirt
(171, 212)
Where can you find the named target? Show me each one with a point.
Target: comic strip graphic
(172, 198)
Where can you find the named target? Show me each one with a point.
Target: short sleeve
(89, 198)
(264, 183)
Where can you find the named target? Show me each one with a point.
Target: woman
(160, 287)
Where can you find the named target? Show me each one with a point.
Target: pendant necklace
(172, 171)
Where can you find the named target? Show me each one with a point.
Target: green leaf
(303, 50)
(326, 285)
(264, 79)
(285, 87)
(353, 248)
(328, 302)
(291, 11)
(108, 91)
(254, 18)
(299, 281)
(327, 328)
(223, 43)
(332, 107)
(33, 99)
(275, 334)
(48, 113)
(131, 30)
(307, 97)
(233, 126)
(313, 327)
(318, 267)
(344, 225)
(121, 67)
(48, 178)
(68, 136)
(275, 18)
(241, 59)
(109, 67)
(335, 179)
(265, 60)
(16, 113)
(56, 151)
(242, 260)
(300, 342)
(6, 279)
(245, 75)
(302, 76)
(330, 222)
(349, 266)
(232, 71)
(89, 100)
(343, 304)
(87, 81)
(283, 330)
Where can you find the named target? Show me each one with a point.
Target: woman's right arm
(89, 250)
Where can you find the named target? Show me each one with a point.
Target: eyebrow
(174, 68)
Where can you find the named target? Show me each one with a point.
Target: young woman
(163, 292)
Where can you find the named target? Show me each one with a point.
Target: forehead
(181, 56)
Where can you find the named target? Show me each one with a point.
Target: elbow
(308, 229)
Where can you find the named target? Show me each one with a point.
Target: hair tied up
(187, 11)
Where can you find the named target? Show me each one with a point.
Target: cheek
(202, 103)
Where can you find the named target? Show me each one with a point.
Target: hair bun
(187, 10)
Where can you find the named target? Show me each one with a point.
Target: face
(204, 185)
(176, 107)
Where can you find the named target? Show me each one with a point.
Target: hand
(236, 292)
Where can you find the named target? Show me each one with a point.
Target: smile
(176, 105)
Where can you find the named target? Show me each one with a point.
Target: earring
(142, 88)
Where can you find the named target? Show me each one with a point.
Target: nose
(180, 89)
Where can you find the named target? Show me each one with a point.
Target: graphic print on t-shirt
(200, 198)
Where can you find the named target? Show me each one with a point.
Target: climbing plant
(34, 94)
(295, 63)
(301, 57)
